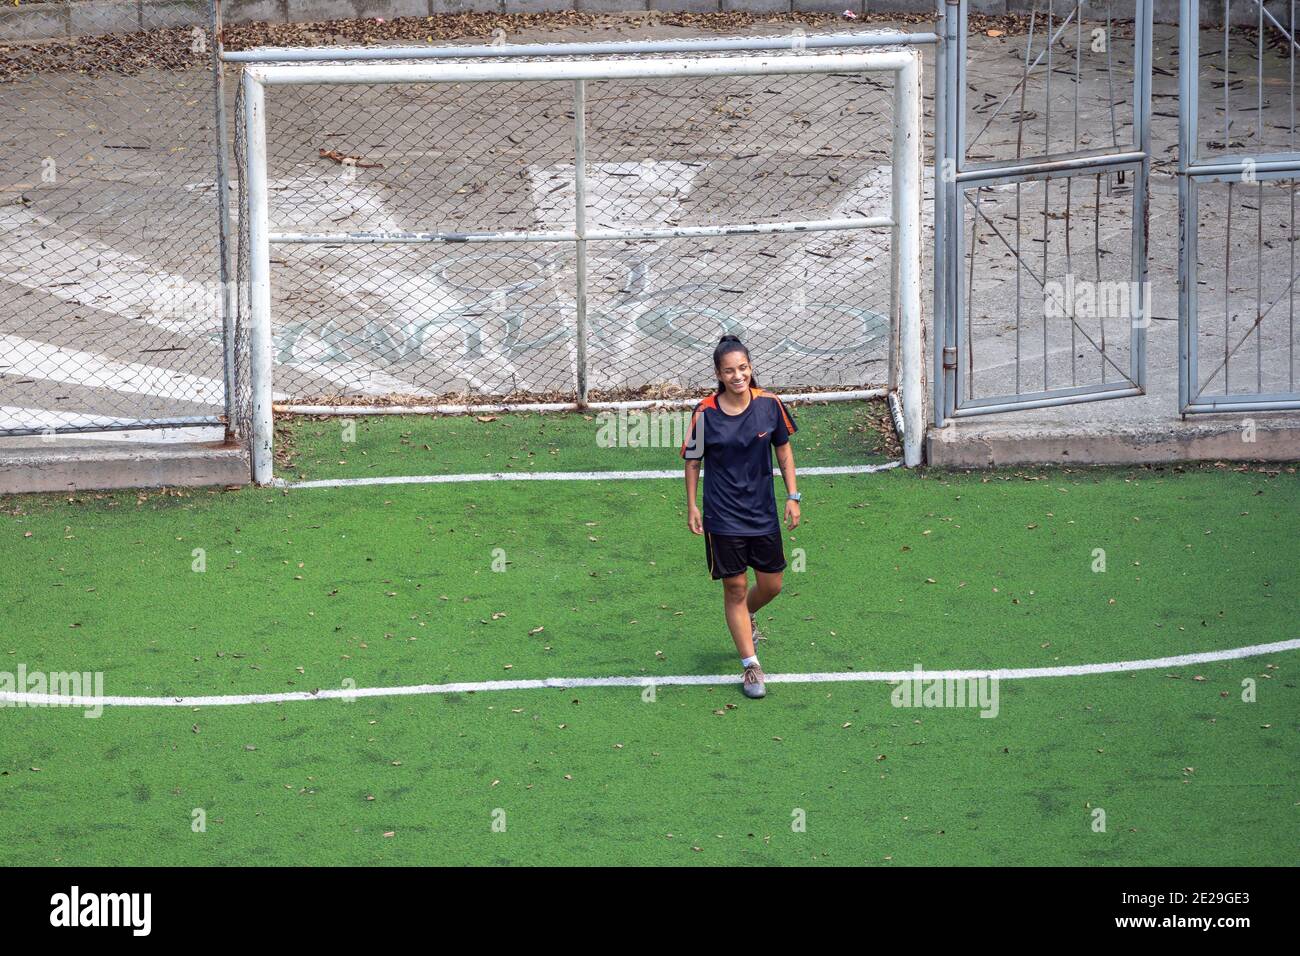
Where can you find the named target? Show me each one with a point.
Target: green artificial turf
(312, 588)
(1185, 776)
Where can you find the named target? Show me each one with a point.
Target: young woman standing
(733, 432)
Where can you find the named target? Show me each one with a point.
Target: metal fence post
(259, 267)
(1143, 53)
(229, 307)
(1189, 103)
(947, 200)
(938, 330)
(580, 230)
(907, 216)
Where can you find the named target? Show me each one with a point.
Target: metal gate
(1040, 293)
(1237, 184)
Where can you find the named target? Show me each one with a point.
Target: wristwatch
(794, 496)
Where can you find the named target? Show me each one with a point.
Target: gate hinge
(950, 356)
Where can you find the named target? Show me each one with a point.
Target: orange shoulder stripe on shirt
(789, 425)
(710, 402)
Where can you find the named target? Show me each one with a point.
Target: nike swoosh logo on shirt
(761, 434)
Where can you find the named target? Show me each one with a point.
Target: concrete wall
(64, 18)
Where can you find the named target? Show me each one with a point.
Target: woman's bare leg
(734, 595)
(766, 586)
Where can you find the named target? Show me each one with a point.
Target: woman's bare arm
(785, 458)
(693, 519)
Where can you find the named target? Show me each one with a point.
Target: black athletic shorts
(729, 555)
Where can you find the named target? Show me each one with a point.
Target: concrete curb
(81, 468)
(966, 444)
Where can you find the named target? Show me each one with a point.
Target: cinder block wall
(67, 18)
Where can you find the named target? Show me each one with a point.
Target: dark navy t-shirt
(737, 453)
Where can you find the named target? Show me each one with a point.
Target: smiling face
(735, 373)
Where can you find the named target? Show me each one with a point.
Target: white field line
(825, 677)
(553, 476)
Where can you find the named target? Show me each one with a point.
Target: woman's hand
(791, 514)
(694, 521)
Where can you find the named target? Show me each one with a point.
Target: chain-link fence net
(110, 311)
(383, 323)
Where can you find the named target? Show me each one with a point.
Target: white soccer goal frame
(904, 220)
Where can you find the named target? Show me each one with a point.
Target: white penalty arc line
(552, 476)
(564, 683)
